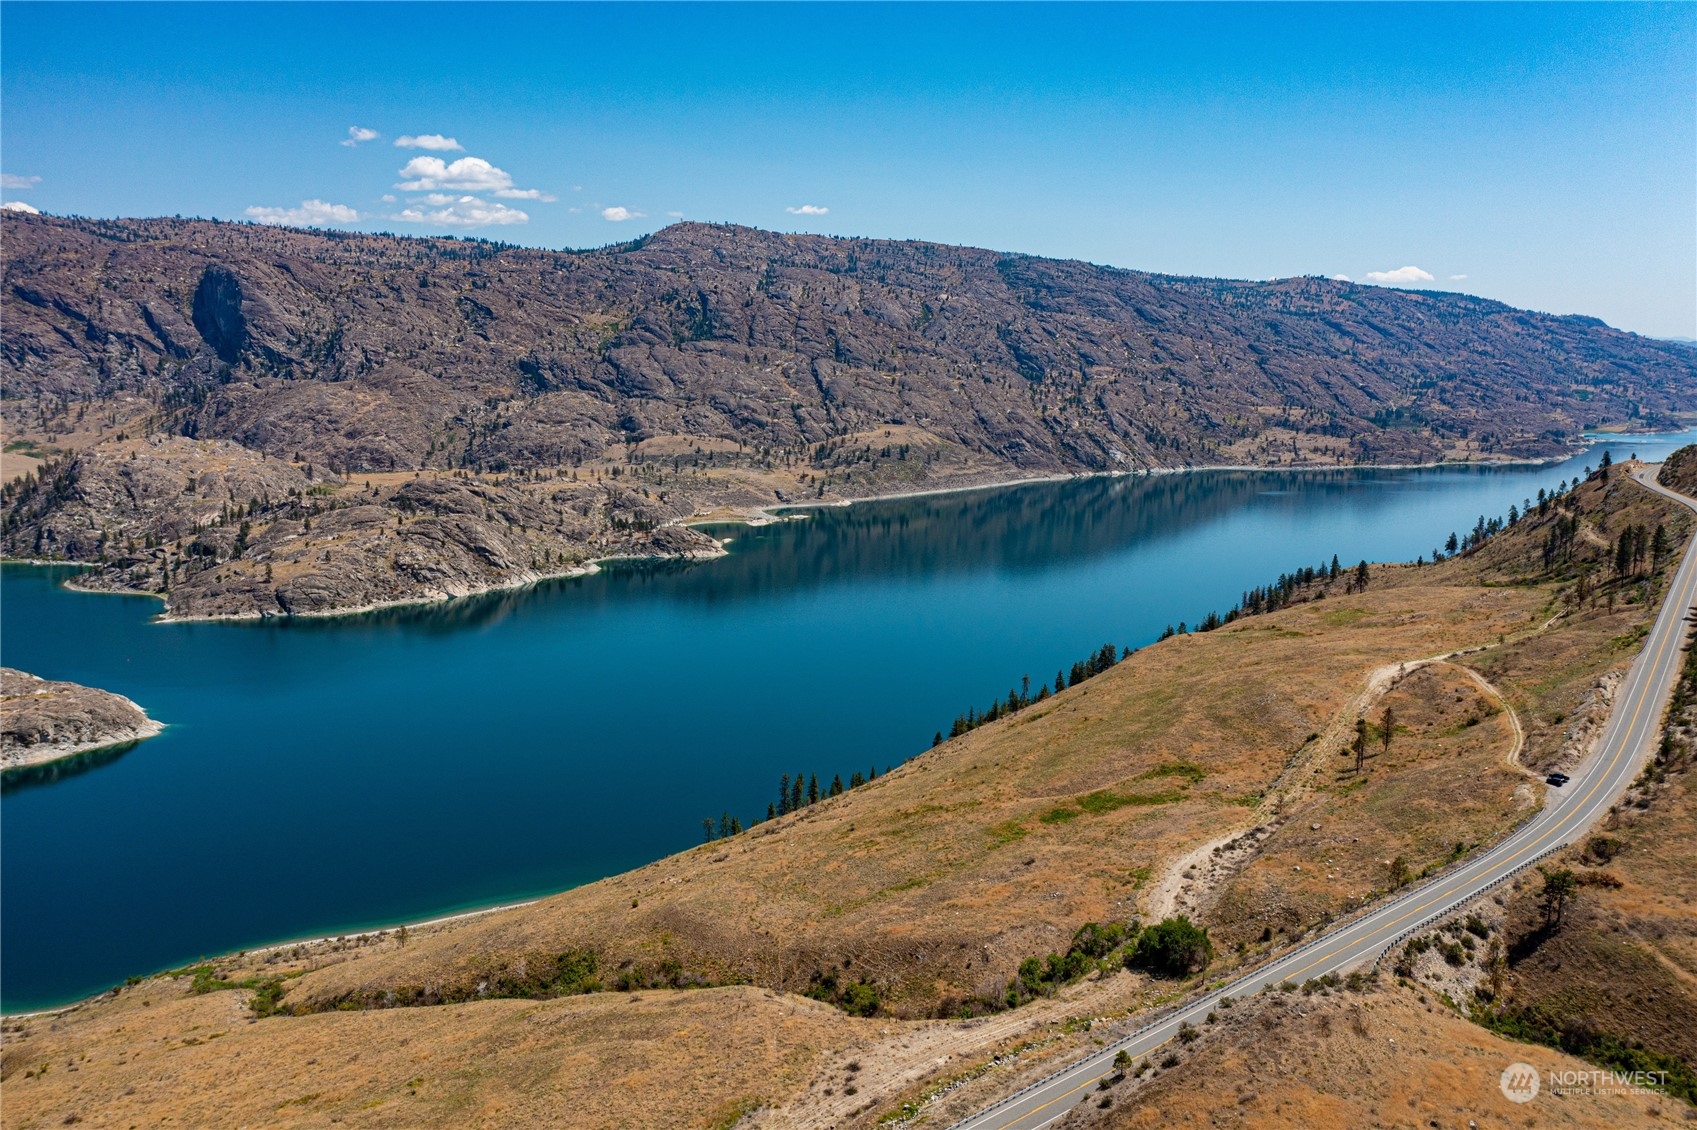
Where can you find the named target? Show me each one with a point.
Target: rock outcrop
(219, 530)
(42, 720)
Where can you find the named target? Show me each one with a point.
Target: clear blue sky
(1543, 155)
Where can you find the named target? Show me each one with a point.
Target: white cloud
(434, 141)
(474, 173)
(460, 212)
(1340, 278)
(387, 198)
(468, 174)
(619, 214)
(19, 206)
(675, 215)
(357, 134)
(1399, 277)
(311, 213)
(807, 210)
(1457, 278)
(13, 180)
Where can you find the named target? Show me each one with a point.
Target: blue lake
(321, 776)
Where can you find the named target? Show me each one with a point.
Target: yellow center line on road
(1519, 856)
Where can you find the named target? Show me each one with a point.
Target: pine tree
(837, 785)
(784, 795)
(796, 791)
(812, 788)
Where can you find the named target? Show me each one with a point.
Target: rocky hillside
(369, 353)
(42, 720)
(1679, 471)
(221, 530)
(566, 406)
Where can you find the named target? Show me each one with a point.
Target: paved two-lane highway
(1632, 731)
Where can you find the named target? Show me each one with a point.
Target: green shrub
(1173, 947)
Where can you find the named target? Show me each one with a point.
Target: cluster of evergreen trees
(1271, 598)
(1019, 698)
(794, 794)
(1636, 543)
(1279, 594)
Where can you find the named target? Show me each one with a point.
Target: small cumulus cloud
(432, 141)
(459, 212)
(808, 210)
(675, 215)
(468, 174)
(618, 214)
(310, 214)
(357, 134)
(1399, 277)
(427, 174)
(1340, 278)
(13, 180)
(20, 206)
(1457, 278)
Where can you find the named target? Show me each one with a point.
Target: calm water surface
(322, 776)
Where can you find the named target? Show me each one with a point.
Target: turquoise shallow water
(322, 776)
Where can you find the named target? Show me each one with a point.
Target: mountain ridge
(786, 339)
(600, 398)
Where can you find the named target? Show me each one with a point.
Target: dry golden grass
(937, 879)
(934, 882)
(1391, 1059)
(1444, 780)
(159, 1055)
(1624, 960)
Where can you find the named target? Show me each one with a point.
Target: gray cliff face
(217, 312)
(42, 720)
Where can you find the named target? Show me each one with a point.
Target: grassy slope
(938, 879)
(1385, 1059)
(1624, 959)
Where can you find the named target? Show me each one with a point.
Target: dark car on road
(1556, 779)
